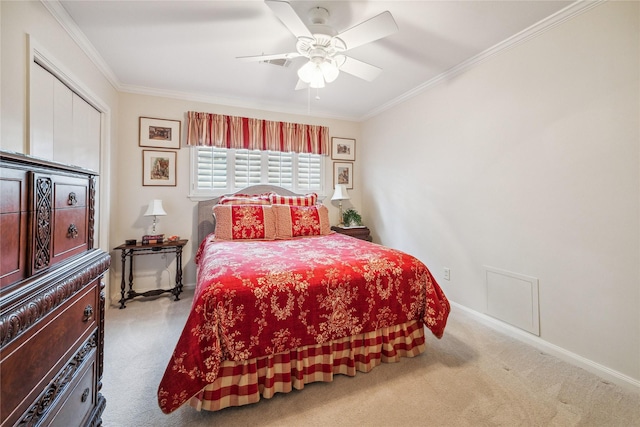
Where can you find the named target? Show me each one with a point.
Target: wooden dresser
(52, 299)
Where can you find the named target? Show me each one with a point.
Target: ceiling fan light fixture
(316, 73)
(306, 72)
(329, 71)
(317, 82)
(312, 74)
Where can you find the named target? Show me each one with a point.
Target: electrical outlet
(447, 273)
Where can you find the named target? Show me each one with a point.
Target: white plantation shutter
(248, 168)
(280, 169)
(220, 170)
(309, 171)
(211, 168)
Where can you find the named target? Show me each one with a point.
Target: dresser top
(26, 160)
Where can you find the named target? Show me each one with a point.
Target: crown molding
(64, 19)
(60, 14)
(574, 9)
(231, 102)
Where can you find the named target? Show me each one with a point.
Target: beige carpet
(473, 376)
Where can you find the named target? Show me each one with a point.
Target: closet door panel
(41, 113)
(86, 134)
(62, 123)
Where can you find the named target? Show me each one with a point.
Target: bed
(282, 301)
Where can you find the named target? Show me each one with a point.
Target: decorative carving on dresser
(43, 224)
(92, 209)
(52, 298)
(13, 323)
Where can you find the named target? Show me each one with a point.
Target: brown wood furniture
(51, 295)
(361, 232)
(129, 251)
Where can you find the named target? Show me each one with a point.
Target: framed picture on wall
(159, 168)
(343, 174)
(159, 133)
(343, 149)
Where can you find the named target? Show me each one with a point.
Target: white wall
(130, 198)
(529, 163)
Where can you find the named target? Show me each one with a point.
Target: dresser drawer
(70, 213)
(69, 192)
(13, 223)
(44, 349)
(76, 403)
(69, 233)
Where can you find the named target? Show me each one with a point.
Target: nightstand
(129, 251)
(359, 232)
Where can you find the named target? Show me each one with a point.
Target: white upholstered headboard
(206, 222)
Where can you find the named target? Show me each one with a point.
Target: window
(218, 171)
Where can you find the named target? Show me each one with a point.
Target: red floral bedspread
(259, 298)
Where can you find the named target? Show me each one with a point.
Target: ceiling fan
(324, 47)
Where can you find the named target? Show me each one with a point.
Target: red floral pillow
(244, 222)
(306, 200)
(300, 221)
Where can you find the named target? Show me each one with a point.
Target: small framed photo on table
(343, 174)
(159, 168)
(343, 149)
(159, 133)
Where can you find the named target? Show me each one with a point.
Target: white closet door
(41, 117)
(86, 134)
(62, 122)
(64, 127)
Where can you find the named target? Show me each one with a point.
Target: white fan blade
(379, 26)
(289, 17)
(301, 85)
(360, 69)
(258, 58)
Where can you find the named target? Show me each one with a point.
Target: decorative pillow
(245, 199)
(306, 200)
(244, 222)
(298, 221)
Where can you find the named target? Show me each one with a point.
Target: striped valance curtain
(223, 131)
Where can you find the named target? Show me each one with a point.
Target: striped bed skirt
(245, 382)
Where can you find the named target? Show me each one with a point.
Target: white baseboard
(602, 371)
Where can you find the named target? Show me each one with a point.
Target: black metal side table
(129, 251)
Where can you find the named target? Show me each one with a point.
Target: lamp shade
(155, 208)
(340, 193)
(329, 71)
(316, 73)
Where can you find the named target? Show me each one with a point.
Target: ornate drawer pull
(88, 312)
(73, 200)
(85, 395)
(72, 232)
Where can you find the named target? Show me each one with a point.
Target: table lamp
(340, 194)
(155, 209)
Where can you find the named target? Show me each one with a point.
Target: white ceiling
(189, 48)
